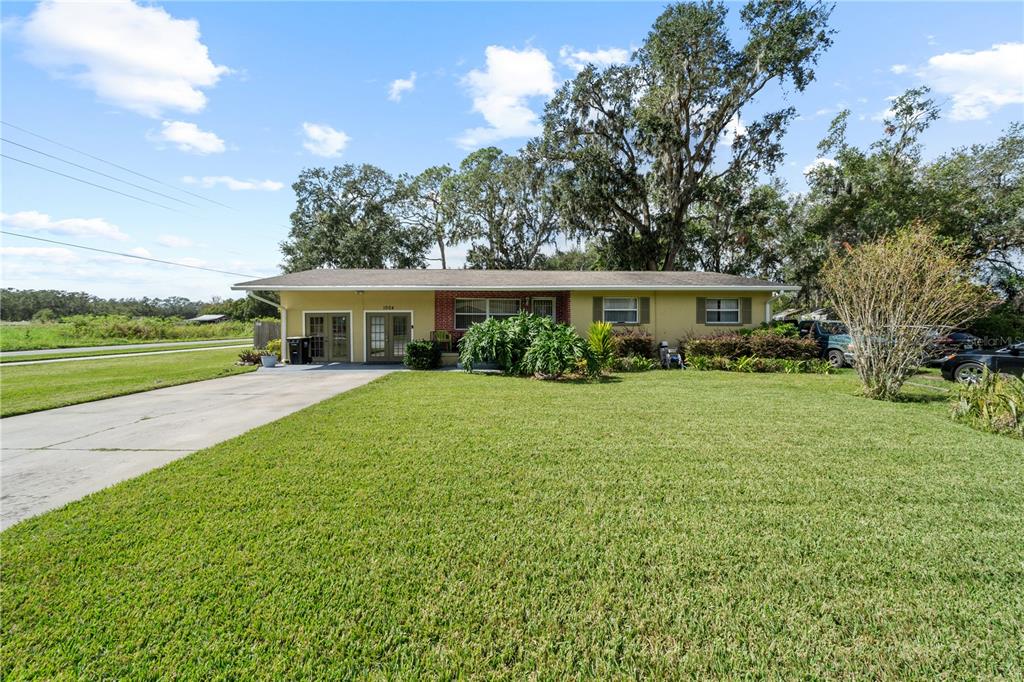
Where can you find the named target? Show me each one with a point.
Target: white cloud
(188, 137)
(400, 86)
(500, 93)
(820, 162)
(140, 251)
(175, 242)
(979, 83)
(733, 129)
(323, 140)
(234, 184)
(137, 57)
(50, 255)
(578, 59)
(899, 68)
(34, 221)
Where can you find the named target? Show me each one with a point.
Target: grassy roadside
(441, 525)
(71, 353)
(31, 388)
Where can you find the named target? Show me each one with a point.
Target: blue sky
(231, 100)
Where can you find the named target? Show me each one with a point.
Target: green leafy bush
(502, 341)
(633, 363)
(558, 351)
(274, 347)
(601, 340)
(993, 403)
(422, 354)
(634, 342)
(1002, 324)
(757, 345)
(750, 363)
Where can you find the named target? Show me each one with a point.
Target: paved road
(57, 456)
(123, 355)
(123, 346)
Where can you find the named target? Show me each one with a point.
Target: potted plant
(267, 357)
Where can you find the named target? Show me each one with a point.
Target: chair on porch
(442, 338)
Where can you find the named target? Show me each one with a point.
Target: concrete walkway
(123, 346)
(50, 458)
(109, 356)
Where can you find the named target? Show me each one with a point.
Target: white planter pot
(268, 360)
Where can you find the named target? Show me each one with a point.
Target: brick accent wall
(444, 305)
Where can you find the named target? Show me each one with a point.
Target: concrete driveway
(50, 458)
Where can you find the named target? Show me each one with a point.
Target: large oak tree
(637, 145)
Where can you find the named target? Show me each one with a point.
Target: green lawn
(72, 353)
(29, 388)
(441, 525)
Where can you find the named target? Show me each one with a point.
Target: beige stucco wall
(673, 313)
(419, 303)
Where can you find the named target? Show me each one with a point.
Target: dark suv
(970, 365)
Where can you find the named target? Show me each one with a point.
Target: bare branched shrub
(895, 292)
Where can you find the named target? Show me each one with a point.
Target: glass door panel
(339, 338)
(399, 336)
(315, 331)
(376, 332)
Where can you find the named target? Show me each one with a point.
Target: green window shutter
(745, 314)
(701, 315)
(598, 309)
(644, 312)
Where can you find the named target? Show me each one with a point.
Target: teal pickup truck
(833, 339)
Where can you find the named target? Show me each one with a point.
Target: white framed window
(722, 311)
(545, 307)
(469, 311)
(621, 310)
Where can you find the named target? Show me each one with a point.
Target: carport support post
(284, 334)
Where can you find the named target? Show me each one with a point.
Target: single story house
(355, 315)
(207, 319)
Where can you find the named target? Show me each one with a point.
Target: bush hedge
(750, 363)
(995, 403)
(735, 346)
(422, 354)
(634, 342)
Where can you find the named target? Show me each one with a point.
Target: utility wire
(92, 170)
(111, 163)
(128, 255)
(109, 189)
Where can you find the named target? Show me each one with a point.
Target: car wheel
(835, 358)
(969, 372)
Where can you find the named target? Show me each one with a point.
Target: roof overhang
(476, 287)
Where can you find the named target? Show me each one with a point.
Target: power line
(128, 255)
(111, 163)
(109, 189)
(92, 170)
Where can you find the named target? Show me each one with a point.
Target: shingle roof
(513, 280)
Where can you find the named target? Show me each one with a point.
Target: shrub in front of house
(502, 341)
(558, 351)
(755, 345)
(634, 342)
(633, 363)
(754, 364)
(601, 340)
(994, 403)
(422, 354)
(274, 347)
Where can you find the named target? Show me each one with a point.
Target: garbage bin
(298, 350)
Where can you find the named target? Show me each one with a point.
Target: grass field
(72, 353)
(442, 525)
(37, 336)
(29, 388)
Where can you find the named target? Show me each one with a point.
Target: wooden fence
(263, 331)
